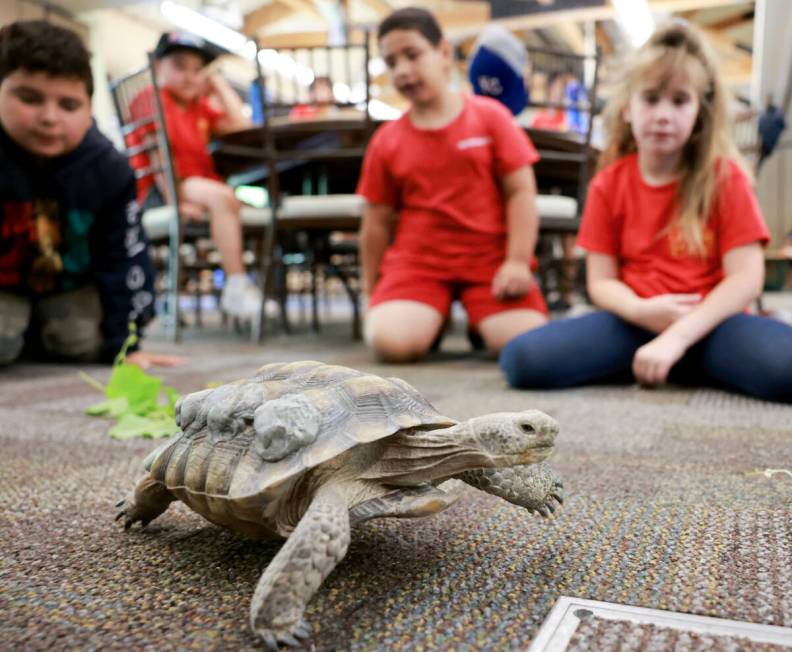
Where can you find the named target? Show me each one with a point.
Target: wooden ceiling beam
(604, 40)
(731, 21)
(467, 15)
(313, 39)
(381, 7)
(605, 12)
(572, 36)
(265, 16)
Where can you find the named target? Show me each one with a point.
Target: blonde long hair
(673, 47)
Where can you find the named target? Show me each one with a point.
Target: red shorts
(477, 298)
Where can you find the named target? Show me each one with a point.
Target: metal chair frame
(122, 99)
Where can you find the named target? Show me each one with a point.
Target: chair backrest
(294, 128)
(141, 119)
(138, 106)
(562, 92)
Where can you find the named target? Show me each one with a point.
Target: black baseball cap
(171, 42)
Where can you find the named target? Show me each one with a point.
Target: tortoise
(303, 451)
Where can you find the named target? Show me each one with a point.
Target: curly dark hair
(40, 46)
(412, 18)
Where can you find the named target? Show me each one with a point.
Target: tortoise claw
(290, 640)
(269, 640)
(293, 637)
(303, 630)
(120, 502)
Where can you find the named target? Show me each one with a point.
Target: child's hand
(653, 361)
(146, 360)
(659, 312)
(512, 280)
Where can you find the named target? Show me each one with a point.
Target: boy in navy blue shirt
(74, 265)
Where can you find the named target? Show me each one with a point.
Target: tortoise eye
(527, 428)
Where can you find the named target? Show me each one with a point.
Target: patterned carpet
(667, 508)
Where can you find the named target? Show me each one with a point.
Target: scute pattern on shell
(245, 437)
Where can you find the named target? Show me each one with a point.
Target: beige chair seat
(318, 206)
(157, 220)
(556, 206)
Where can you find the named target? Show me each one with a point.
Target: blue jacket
(73, 221)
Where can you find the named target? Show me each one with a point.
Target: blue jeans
(745, 353)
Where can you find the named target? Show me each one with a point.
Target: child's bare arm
(376, 232)
(230, 103)
(513, 278)
(741, 284)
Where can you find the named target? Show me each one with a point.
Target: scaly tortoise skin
(303, 451)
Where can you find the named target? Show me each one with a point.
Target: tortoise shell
(250, 437)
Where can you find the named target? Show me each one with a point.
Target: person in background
(674, 237)
(553, 118)
(198, 105)
(74, 264)
(321, 103)
(450, 205)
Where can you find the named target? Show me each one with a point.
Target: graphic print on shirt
(37, 249)
(679, 247)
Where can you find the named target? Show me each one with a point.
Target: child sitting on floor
(198, 105)
(451, 205)
(74, 265)
(674, 238)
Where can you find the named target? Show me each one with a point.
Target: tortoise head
(511, 438)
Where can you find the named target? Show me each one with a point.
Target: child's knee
(220, 199)
(14, 319)
(70, 324)
(393, 347)
(522, 361)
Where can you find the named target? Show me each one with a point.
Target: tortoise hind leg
(146, 502)
(311, 552)
(537, 487)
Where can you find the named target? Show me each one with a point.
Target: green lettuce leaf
(133, 398)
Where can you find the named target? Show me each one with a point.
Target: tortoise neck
(413, 455)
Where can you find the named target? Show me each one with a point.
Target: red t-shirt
(444, 183)
(189, 130)
(629, 219)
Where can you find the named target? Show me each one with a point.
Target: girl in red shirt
(674, 238)
(451, 210)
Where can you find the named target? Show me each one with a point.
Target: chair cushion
(301, 206)
(156, 221)
(557, 206)
(252, 216)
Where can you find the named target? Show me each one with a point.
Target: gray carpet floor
(668, 507)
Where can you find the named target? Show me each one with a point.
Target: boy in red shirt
(451, 208)
(197, 106)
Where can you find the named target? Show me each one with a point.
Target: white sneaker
(241, 298)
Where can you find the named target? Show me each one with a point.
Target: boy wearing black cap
(74, 266)
(199, 105)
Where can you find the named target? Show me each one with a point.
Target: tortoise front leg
(313, 550)
(145, 503)
(537, 487)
